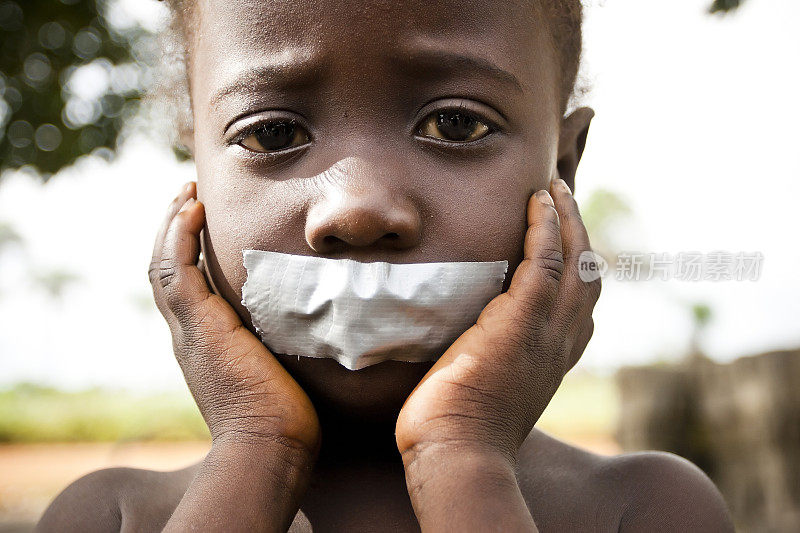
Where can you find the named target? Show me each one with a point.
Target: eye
(454, 126)
(274, 136)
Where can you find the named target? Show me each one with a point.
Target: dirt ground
(31, 475)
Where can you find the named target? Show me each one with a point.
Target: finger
(189, 190)
(179, 282)
(537, 278)
(202, 317)
(576, 296)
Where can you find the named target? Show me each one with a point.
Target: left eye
(274, 137)
(454, 126)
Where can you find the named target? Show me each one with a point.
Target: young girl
(403, 132)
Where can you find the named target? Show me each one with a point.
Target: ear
(571, 142)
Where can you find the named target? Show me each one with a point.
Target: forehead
(504, 39)
(287, 21)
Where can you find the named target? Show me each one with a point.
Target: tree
(48, 47)
(69, 80)
(723, 6)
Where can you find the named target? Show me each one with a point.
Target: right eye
(274, 136)
(454, 126)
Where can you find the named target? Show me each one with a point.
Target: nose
(359, 208)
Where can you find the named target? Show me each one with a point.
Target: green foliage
(701, 313)
(602, 212)
(586, 405)
(45, 121)
(55, 281)
(32, 413)
(724, 6)
(8, 235)
(603, 208)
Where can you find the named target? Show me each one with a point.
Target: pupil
(275, 136)
(456, 126)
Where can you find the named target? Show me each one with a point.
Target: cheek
(485, 221)
(481, 209)
(246, 214)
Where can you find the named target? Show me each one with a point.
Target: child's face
(362, 164)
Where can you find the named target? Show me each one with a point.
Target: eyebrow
(430, 61)
(293, 69)
(290, 69)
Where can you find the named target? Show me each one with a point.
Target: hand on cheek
(489, 388)
(241, 389)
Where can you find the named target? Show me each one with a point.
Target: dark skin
(433, 133)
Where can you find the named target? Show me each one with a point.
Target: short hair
(564, 17)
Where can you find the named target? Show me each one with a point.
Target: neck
(347, 440)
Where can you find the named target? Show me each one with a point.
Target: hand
(241, 389)
(489, 388)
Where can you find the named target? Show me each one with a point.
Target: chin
(373, 394)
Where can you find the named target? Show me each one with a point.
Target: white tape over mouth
(361, 314)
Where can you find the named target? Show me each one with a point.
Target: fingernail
(563, 184)
(187, 205)
(544, 197)
(188, 187)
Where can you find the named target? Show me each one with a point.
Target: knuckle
(551, 262)
(152, 272)
(163, 274)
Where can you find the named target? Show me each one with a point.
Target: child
(405, 132)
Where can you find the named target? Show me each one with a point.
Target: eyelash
(253, 129)
(491, 128)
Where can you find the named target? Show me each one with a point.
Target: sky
(695, 127)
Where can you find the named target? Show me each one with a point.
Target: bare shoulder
(570, 488)
(117, 498)
(665, 492)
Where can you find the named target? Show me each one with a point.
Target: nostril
(332, 240)
(391, 236)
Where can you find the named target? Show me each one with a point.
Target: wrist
(245, 483)
(475, 486)
(282, 455)
(426, 463)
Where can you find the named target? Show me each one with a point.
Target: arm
(264, 429)
(460, 430)
(466, 490)
(244, 485)
(90, 504)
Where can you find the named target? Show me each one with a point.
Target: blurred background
(693, 153)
